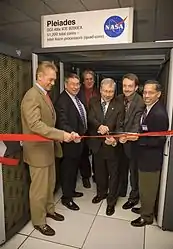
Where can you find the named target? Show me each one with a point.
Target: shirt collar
(150, 106)
(41, 88)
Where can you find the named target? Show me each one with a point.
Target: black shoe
(129, 204)
(45, 229)
(140, 222)
(98, 199)
(86, 183)
(136, 210)
(70, 205)
(77, 194)
(110, 210)
(56, 216)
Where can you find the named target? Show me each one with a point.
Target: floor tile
(155, 238)
(58, 195)
(107, 233)
(85, 203)
(28, 228)
(119, 212)
(32, 243)
(14, 242)
(72, 231)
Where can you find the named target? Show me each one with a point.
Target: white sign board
(108, 26)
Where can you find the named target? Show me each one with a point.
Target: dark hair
(154, 82)
(71, 75)
(132, 77)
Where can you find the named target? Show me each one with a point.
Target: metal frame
(125, 46)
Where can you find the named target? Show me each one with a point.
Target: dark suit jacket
(150, 149)
(131, 121)
(82, 97)
(69, 120)
(113, 120)
(132, 118)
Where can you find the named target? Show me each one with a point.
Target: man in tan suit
(39, 117)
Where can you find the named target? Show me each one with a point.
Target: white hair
(108, 81)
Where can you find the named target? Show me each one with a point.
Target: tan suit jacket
(39, 117)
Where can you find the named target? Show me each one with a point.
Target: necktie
(81, 112)
(104, 107)
(49, 100)
(144, 115)
(126, 104)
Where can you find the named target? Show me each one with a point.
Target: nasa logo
(114, 26)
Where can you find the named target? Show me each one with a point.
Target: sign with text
(108, 26)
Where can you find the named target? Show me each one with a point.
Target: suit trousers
(68, 171)
(129, 164)
(106, 176)
(41, 193)
(148, 189)
(85, 166)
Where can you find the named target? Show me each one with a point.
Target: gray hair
(108, 81)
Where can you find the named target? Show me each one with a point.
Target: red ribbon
(37, 138)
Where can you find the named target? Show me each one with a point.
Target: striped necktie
(81, 112)
(103, 104)
(144, 115)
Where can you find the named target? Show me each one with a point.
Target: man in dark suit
(72, 117)
(133, 108)
(150, 152)
(105, 116)
(87, 91)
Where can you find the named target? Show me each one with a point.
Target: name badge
(144, 128)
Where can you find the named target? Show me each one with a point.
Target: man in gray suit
(133, 109)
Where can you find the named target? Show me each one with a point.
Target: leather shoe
(136, 210)
(86, 183)
(77, 194)
(140, 222)
(56, 216)
(45, 229)
(97, 199)
(129, 204)
(110, 210)
(70, 205)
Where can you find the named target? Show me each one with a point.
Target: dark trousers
(148, 189)
(106, 175)
(128, 163)
(84, 165)
(69, 168)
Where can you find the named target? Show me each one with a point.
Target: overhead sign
(108, 26)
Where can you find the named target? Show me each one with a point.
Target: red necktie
(49, 100)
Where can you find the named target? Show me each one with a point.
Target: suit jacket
(38, 117)
(132, 118)
(82, 97)
(69, 120)
(150, 149)
(131, 121)
(112, 119)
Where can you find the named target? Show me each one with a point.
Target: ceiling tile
(32, 8)
(97, 4)
(65, 6)
(9, 14)
(126, 3)
(147, 4)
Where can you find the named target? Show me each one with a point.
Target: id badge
(144, 128)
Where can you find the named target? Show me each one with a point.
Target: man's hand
(111, 141)
(76, 137)
(67, 137)
(132, 138)
(123, 139)
(103, 129)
